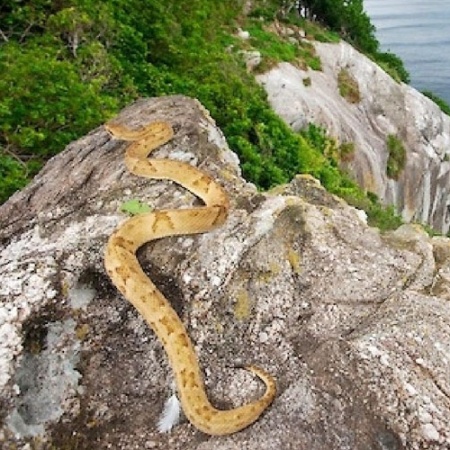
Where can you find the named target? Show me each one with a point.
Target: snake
(126, 273)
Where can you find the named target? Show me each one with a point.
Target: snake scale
(127, 275)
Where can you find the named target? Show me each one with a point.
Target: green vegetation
(66, 67)
(272, 47)
(348, 19)
(135, 207)
(382, 217)
(393, 65)
(441, 103)
(378, 215)
(397, 156)
(348, 86)
(265, 37)
(13, 175)
(346, 151)
(317, 32)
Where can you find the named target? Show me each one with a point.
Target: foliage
(378, 215)
(347, 17)
(346, 151)
(12, 176)
(269, 44)
(445, 107)
(134, 207)
(397, 157)
(46, 103)
(348, 86)
(383, 217)
(393, 65)
(56, 82)
(275, 48)
(65, 67)
(317, 32)
(266, 10)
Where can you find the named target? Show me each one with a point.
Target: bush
(383, 217)
(397, 157)
(348, 86)
(47, 104)
(13, 176)
(82, 60)
(441, 103)
(393, 65)
(346, 151)
(346, 17)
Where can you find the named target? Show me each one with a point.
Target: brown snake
(126, 273)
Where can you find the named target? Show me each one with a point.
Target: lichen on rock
(354, 325)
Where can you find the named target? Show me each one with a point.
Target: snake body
(127, 275)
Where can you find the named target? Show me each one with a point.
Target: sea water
(418, 31)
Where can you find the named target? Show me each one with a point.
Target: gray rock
(252, 59)
(243, 34)
(422, 190)
(350, 322)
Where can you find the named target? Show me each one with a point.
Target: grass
(348, 86)
(397, 157)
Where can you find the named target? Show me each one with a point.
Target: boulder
(383, 107)
(355, 326)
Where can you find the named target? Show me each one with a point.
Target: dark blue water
(418, 31)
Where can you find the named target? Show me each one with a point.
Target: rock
(244, 35)
(421, 192)
(252, 59)
(294, 282)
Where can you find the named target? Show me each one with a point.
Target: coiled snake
(127, 275)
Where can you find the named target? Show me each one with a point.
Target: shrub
(81, 61)
(393, 65)
(13, 176)
(346, 151)
(397, 157)
(348, 86)
(441, 103)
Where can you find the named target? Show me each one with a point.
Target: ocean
(418, 31)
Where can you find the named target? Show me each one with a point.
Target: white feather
(170, 415)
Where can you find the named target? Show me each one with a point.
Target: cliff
(355, 326)
(381, 107)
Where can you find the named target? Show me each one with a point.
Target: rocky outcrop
(385, 107)
(355, 326)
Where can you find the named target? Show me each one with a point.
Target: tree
(347, 17)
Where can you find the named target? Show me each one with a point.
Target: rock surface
(422, 191)
(355, 326)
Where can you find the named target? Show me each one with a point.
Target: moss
(294, 260)
(267, 275)
(274, 268)
(348, 86)
(82, 331)
(347, 151)
(242, 306)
